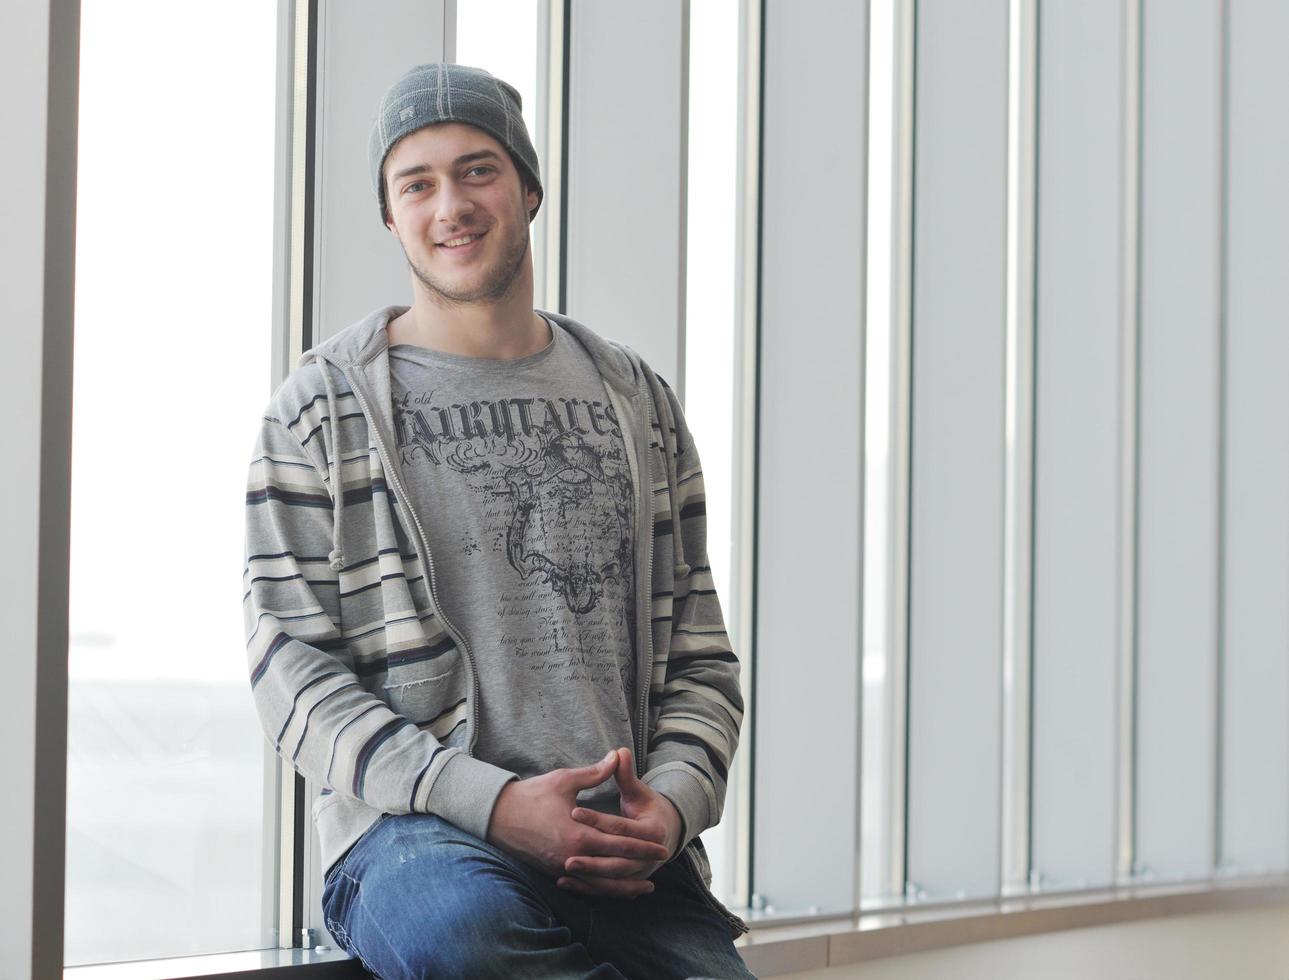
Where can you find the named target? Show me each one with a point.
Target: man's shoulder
(303, 388)
(607, 353)
(305, 385)
(629, 367)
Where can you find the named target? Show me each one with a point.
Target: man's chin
(472, 285)
(461, 292)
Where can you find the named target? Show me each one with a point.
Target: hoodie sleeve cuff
(466, 791)
(687, 795)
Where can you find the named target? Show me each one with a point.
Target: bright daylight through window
(166, 826)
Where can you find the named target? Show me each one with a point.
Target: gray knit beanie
(436, 93)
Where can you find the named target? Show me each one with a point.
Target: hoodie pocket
(433, 698)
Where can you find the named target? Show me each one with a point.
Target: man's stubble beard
(495, 287)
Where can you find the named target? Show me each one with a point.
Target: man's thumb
(595, 773)
(628, 782)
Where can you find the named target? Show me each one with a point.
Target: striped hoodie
(341, 606)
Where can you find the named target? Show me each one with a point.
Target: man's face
(452, 182)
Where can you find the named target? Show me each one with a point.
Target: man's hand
(646, 815)
(532, 819)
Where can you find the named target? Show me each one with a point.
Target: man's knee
(433, 900)
(474, 925)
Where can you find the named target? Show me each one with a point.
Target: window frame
(40, 48)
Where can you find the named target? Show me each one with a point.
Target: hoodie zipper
(646, 497)
(391, 476)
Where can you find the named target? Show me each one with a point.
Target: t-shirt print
(520, 471)
(550, 476)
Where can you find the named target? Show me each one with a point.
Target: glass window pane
(709, 325)
(1255, 670)
(165, 822)
(502, 36)
(811, 391)
(1078, 587)
(1179, 412)
(958, 451)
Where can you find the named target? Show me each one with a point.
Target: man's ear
(385, 211)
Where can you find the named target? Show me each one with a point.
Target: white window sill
(782, 944)
(772, 949)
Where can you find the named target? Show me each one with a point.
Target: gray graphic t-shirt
(519, 470)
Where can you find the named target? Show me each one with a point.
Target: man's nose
(454, 203)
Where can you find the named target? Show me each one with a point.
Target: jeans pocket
(688, 862)
(338, 891)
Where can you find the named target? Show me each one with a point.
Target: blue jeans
(418, 897)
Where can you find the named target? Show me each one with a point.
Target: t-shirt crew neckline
(429, 355)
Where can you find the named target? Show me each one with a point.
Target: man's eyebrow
(422, 168)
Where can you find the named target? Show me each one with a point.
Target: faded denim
(418, 897)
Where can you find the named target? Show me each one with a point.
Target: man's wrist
(490, 826)
(676, 827)
(466, 792)
(685, 793)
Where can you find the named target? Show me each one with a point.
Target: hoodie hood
(359, 355)
(360, 344)
(347, 354)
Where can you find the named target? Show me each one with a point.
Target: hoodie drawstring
(337, 556)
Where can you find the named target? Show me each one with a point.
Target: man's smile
(462, 244)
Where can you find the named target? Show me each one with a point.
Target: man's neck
(503, 330)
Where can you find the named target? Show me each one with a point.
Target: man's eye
(482, 167)
(414, 186)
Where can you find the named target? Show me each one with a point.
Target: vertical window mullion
(747, 318)
(1129, 456)
(293, 334)
(39, 58)
(1018, 507)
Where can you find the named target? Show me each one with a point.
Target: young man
(478, 601)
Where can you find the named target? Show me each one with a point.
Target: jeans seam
(590, 928)
(337, 928)
(384, 937)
